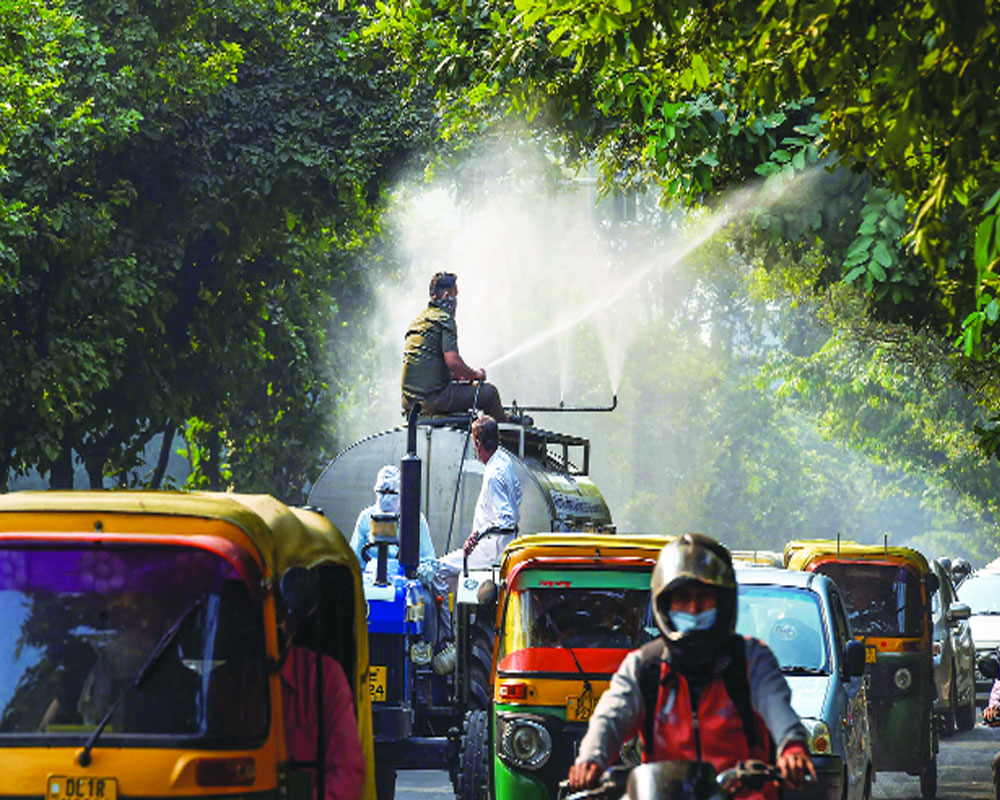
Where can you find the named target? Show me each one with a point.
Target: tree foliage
(184, 187)
(697, 96)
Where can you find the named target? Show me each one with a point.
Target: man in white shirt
(498, 509)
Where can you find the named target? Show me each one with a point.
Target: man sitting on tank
(434, 374)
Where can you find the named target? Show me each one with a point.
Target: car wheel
(965, 718)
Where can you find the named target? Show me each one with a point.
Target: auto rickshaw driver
(696, 664)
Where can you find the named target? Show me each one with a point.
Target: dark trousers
(459, 398)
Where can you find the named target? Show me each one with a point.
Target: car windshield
(880, 599)
(981, 593)
(80, 623)
(578, 610)
(789, 621)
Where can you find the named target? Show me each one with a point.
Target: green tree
(182, 209)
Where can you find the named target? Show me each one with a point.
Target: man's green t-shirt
(429, 337)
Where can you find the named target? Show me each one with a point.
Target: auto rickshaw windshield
(582, 610)
(82, 623)
(880, 599)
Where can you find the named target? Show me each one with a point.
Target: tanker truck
(421, 719)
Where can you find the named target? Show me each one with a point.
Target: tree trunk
(61, 475)
(161, 462)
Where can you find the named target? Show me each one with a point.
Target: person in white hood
(387, 502)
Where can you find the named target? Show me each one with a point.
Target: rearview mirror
(854, 659)
(932, 582)
(957, 612)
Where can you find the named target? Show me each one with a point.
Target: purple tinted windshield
(81, 622)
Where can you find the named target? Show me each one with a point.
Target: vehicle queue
(98, 642)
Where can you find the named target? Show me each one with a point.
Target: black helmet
(694, 557)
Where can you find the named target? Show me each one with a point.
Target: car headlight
(524, 742)
(819, 736)
(903, 679)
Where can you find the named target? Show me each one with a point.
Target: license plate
(580, 709)
(376, 683)
(80, 787)
(870, 654)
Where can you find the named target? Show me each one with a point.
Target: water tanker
(552, 468)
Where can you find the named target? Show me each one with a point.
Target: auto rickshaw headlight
(525, 743)
(903, 679)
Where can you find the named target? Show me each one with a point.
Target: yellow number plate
(78, 787)
(376, 683)
(870, 654)
(580, 709)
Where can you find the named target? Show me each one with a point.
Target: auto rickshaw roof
(599, 547)
(284, 536)
(799, 555)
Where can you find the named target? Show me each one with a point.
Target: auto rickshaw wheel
(473, 766)
(385, 781)
(928, 780)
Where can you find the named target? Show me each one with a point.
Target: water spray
(739, 205)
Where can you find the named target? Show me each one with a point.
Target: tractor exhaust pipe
(409, 500)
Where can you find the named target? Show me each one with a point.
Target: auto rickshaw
(142, 642)
(571, 606)
(887, 592)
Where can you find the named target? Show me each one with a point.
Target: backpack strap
(650, 661)
(737, 682)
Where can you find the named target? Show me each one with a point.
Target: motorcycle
(675, 780)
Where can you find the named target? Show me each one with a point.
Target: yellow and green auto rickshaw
(887, 592)
(571, 606)
(141, 641)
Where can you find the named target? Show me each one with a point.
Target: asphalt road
(963, 773)
(963, 770)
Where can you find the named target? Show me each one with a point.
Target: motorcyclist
(699, 692)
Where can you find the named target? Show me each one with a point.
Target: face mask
(387, 503)
(684, 622)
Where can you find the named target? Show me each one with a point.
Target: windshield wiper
(798, 669)
(161, 647)
(559, 634)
